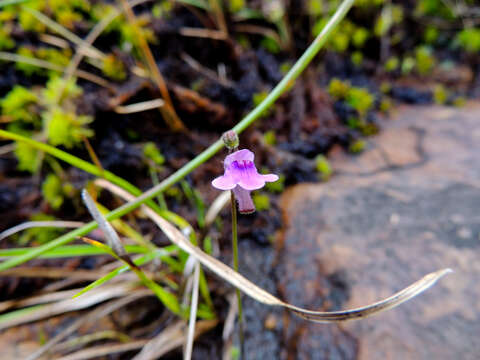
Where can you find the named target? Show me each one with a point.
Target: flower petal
(244, 200)
(240, 156)
(224, 182)
(269, 177)
(248, 176)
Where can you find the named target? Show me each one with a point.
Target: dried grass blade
(171, 338)
(92, 51)
(94, 315)
(39, 312)
(104, 350)
(193, 314)
(30, 224)
(112, 237)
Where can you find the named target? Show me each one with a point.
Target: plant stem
(282, 86)
(235, 267)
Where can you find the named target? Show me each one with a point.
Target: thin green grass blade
(161, 253)
(70, 251)
(168, 299)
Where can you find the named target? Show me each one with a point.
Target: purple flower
(242, 176)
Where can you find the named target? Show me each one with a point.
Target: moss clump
(425, 61)
(27, 69)
(338, 89)
(385, 105)
(360, 99)
(261, 201)
(66, 128)
(52, 191)
(323, 167)
(357, 146)
(114, 68)
(357, 58)
(58, 91)
(391, 64)
(6, 41)
(28, 157)
(360, 36)
(270, 44)
(236, 5)
(17, 104)
(469, 40)
(151, 151)
(440, 94)
(269, 138)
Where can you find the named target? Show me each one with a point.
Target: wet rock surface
(405, 207)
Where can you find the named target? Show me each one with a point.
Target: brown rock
(384, 221)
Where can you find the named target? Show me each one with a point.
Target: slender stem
(235, 267)
(282, 86)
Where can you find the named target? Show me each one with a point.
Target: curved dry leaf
(265, 297)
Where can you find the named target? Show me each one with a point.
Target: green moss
(162, 9)
(151, 151)
(357, 146)
(28, 157)
(269, 138)
(66, 128)
(425, 60)
(276, 186)
(408, 64)
(469, 40)
(55, 56)
(338, 89)
(129, 35)
(323, 167)
(270, 44)
(383, 24)
(52, 191)
(440, 94)
(285, 67)
(236, 5)
(434, 8)
(360, 36)
(357, 58)
(57, 90)
(385, 105)
(6, 41)
(68, 18)
(28, 22)
(391, 64)
(261, 201)
(339, 42)
(174, 192)
(459, 101)
(18, 104)
(27, 69)
(430, 35)
(360, 99)
(114, 68)
(385, 87)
